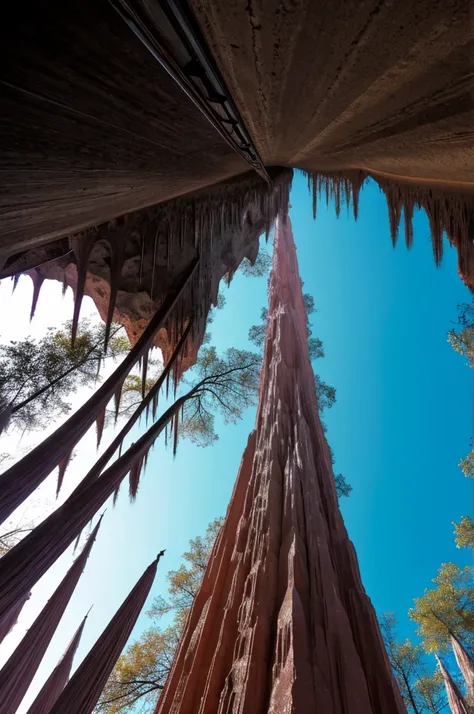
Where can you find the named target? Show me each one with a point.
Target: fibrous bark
(9, 620)
(58, 678)
(83, 691)
(282, 622)
(456, 701)
(17, 673)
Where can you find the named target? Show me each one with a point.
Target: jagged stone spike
(38, 281)
(100, 420)
(117, 259)
(63, 464)
(82, 246)
(134, 478)
(15, 279)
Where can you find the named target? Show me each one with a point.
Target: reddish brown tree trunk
(282, 623)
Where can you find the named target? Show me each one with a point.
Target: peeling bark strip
(9, 620)
(58, 678)
(18, 672)
(457, 703)
(83, 691)
(29, 560)
(19, 481)
(281, 622)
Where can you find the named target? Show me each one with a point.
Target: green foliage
(421, 692)
(315, 348)
(259, 268)
(140, 673)
(464, 533)
(224, 385)
(325, 393)
(446, 609)
(343, 489)
(38, 376)
(467, 465)
(461, 338)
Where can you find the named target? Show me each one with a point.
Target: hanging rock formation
(95, 123)
(281, 622)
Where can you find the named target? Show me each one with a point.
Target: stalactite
(58, 678)
(20, 480)
(37, 280)
(62, 466)
(82, 246)
(134, 479)
(17, 673)
(9, 620)
(15, 279)
(117, 442)
(117, 259)
(99, 421)
(83, 691)
(28, 561)
(448, 213)
(117, 399)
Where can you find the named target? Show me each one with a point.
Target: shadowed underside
(93, 127)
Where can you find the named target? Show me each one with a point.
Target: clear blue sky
(402, 421)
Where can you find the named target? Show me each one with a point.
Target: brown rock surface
(282, 623)
(144, 254)
(373, 85)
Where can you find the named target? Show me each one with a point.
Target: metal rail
(170, 32)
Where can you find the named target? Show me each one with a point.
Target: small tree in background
(38, 376)
(140, 673)
(461, 338)
(467, 465)
(260, 267)
(421, 692)
(464, 533)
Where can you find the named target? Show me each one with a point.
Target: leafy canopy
(259, 267)
(219, 384)
(38, 376)
(447, 608)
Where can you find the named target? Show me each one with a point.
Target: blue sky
(401, 423)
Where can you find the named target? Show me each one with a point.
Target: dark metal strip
(168, 30)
